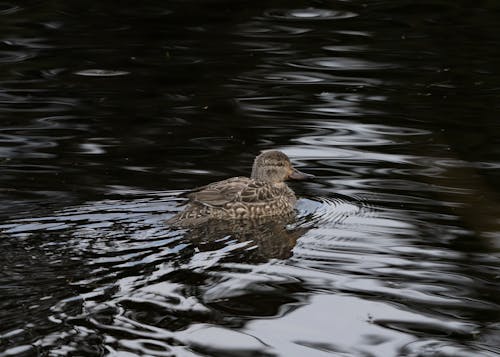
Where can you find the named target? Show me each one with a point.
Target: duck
(264, 194)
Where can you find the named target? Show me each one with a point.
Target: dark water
(109, 110)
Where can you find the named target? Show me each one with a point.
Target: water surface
(109, 112)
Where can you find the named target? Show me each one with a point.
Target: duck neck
(258, 174)
(266, 174)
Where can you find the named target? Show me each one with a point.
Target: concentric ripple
(329, 211)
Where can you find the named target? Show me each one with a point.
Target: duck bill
(299, 175)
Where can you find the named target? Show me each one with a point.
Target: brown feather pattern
(241, 197)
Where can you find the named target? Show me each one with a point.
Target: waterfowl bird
(264, 194)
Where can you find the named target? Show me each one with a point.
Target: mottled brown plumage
(265, 194)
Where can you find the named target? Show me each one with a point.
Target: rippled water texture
(109, 112)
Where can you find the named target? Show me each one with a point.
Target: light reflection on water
(308, 14)
(394, 250)
(359, 278)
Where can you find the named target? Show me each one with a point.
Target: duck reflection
(250, 240)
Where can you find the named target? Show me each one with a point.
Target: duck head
(274, 166)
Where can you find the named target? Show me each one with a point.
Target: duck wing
(236, 189)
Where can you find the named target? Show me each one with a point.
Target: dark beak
(299, 175)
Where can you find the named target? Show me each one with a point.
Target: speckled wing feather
(220, 193)
(236, 189)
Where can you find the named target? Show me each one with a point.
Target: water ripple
(101, 73)
(8, 8)
(15, 56)
(340, 64)
(144, 283)
(308, 14)
(330, 211)
(306, 77)
(261, 30)
(389, 254)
